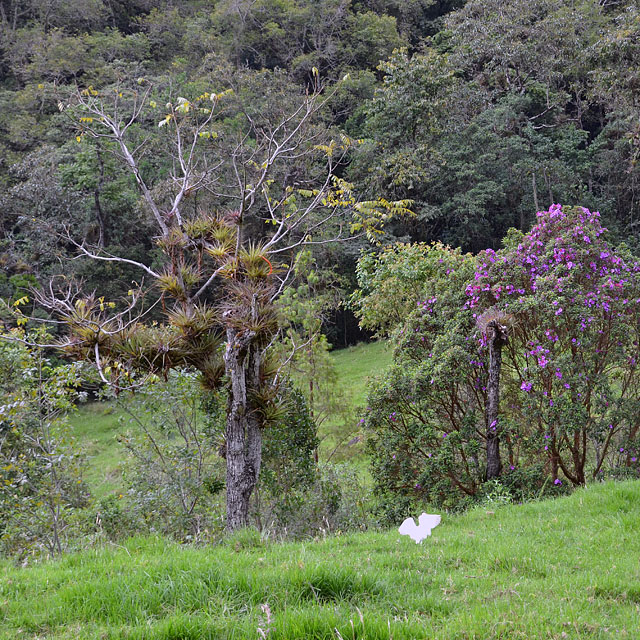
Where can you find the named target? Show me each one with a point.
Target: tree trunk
(103, 240)
(497, 336)
(535, 194)
(242, 360)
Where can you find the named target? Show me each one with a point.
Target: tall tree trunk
(103, 240)
(547, 179)
(316, 454)
(242, 360)
(496, 337)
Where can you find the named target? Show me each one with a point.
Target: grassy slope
(355, 366)
(96, 425)
(567, 568)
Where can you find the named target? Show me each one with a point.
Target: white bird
(426, 522)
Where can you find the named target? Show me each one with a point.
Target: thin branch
(111, 258)
(206, 285)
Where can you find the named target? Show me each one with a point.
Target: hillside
(200, 199)
(97, 425)
(566, 568)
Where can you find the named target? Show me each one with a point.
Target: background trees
(493, 110)
(522, 115)
(482, 113)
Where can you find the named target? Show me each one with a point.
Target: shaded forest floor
(564, 568)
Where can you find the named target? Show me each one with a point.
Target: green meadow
(356, 365)
(97, 425)
(564, 568)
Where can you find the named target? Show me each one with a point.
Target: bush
(335, 500)
(425, 415)
(174, 474)
(288, 466)
(569, 381)
(296, 497)
(41, 487)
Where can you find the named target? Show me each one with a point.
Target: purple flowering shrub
(570, 377)
(569, 383)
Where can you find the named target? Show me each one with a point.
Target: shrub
(174, 474)
(288, 463)
(569, 381)
(41, 486)
(336, 500)
(425, 414)
(573, 385)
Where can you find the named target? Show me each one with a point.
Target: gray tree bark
(496, 338)
(243, 359)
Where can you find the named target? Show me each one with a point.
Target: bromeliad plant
(223, 258)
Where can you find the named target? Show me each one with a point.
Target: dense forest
(199, 198)
(481, 113)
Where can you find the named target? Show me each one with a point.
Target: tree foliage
(41, 483)
(573, 350)
(490, 112)
(480, 112)
(568, 301)
(526, 113)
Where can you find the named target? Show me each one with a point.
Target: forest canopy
(480, 112)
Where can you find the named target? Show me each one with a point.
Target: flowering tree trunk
(496, 338)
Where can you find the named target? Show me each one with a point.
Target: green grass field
(97, 425)
(356, 365)
(565, 568)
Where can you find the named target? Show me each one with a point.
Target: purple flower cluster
(428, 305)
(575, 299)
(553, 258)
